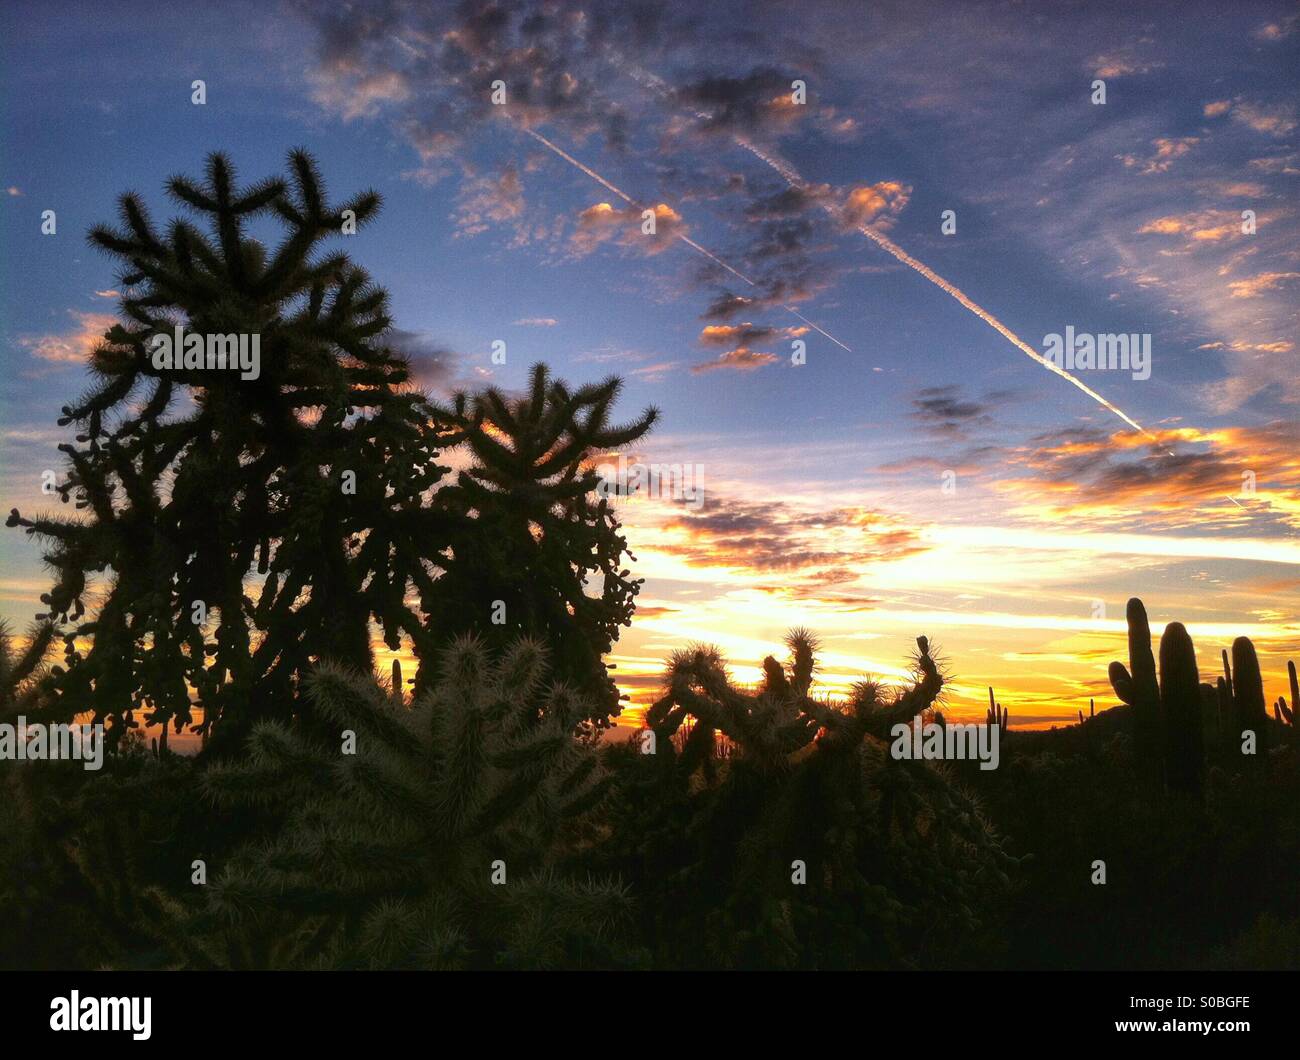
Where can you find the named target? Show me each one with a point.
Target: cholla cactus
(20, 673)
(533, 531)
(782, 716)
(896, 855)
(434, 845)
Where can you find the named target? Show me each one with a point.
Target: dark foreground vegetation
(237, 544)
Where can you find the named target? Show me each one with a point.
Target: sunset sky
(919, 473)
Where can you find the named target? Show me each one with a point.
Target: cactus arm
(1122, 683)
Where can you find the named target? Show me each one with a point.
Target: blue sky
(824, 480)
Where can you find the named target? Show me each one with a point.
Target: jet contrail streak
(685, 239)
(890, 247)
(795, 180)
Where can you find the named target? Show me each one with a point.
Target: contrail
(685, 239)
(795, 180)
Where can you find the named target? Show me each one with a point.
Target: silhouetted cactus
(20, 672)
(534, 533)
(1289, 713)
(1180, 696)
(1140, 690)
(887, 845)
(996, 713)
(1251, 713)
(388, 854)
(1234, 705)
(192, 485)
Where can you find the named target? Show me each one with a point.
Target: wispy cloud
(72, 346)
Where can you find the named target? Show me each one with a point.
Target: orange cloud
(1167, 149)
(1254, 286)
(741, 359)
(1234, 475)
(815, 548)
(869, 203)
(603, 222)
(74, 346)
(1271, 120)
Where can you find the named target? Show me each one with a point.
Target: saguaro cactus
(996, 714)
(1289, 713)
(1180, 695)
(1168, 721)
(1140, 690)
(1248, 693)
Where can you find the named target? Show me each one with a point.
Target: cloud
(536, 322)
(1200, 227)
(745, 334)
(1254, 286)
(351, 92)
(1167, 150)
(741, 356)
(431, 67)
(1124, 479)
(1122, 63)
(943, 411)
(1287, 164)
(875, 203)
(910, 465)
(602, 223)
(587, 71)
(727, 305)
(488, 200)
(1275, 120)
(73, 346)
(818, 545)
(1278, 30)
(741, 359)
(433, 366)
(789, 202)
(757, 104)
(654, 373)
